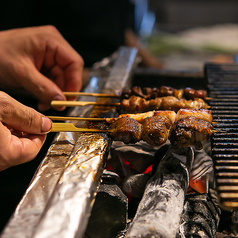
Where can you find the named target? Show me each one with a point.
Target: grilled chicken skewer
(149, 93)
(182, 113)
(152, 93)
(137, 104)
(187, 127)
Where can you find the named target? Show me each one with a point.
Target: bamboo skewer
(80, 103)
(57, 118)
(91, 94)
(69, 127)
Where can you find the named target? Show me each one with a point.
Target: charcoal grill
(223, 89)
(59, 169)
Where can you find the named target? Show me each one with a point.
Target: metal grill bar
(223, 89)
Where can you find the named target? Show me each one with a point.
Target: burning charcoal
(134, 185)
(127, 160)
(158, 214)
(201, 173)
(201, 215)
(109, 213)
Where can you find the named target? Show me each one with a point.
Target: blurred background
(186, 33)
(172, 34)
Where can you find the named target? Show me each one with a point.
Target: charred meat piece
(190, 131)
(137, 92)
(154, 104)
(137, 116)
(190, 93)
(171, 103)
(155, 130)
(134, 104)
(197, 103)
(203, 114)
(166, 113)
(125, 94)
(126, 129)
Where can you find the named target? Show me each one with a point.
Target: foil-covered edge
(49, 181)
(71, 204)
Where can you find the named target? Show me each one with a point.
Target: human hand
(41, 62)
(22, 132)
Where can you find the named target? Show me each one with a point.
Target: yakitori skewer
(173, 116)
(137, 104)
(150, 93)
(187, 127)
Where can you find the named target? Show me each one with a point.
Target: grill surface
(223, 89)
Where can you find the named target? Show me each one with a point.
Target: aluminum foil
(75, 191)
(60, 197)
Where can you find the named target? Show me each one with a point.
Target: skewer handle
(69, 127)
(81, 103)
(90, 94)
(57, 118)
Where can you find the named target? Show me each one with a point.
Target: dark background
(95, 28)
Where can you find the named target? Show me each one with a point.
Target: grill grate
(223, 89)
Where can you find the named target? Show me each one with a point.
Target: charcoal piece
(234, 222)
(159, 154)
(122, 233)
(158, 214)
(134, 185)
(201, 215)
(109, 213)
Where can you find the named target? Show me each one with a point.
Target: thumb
(21, 117)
